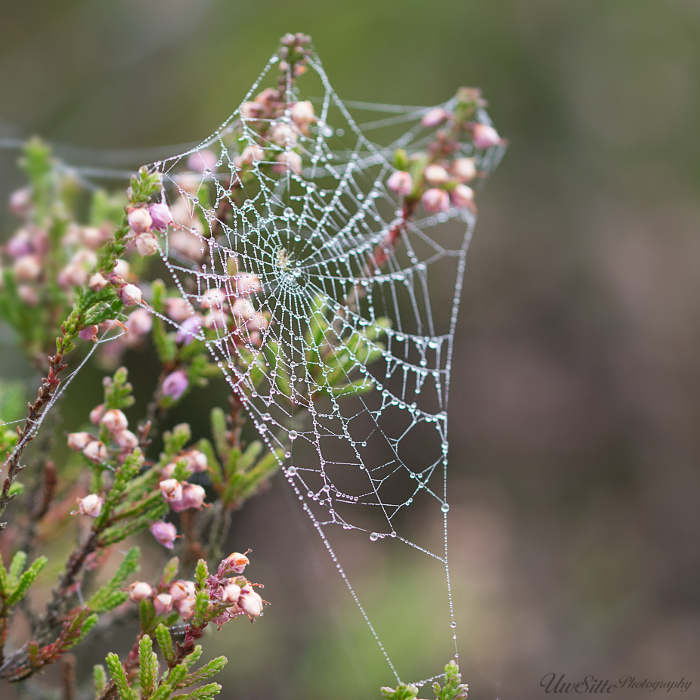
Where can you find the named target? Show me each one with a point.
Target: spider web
(318, 241)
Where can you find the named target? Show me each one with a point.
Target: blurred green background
(576, 385)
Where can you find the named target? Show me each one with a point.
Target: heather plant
(83, 283)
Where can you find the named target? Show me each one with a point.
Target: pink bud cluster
(122, 441)
(143, 220)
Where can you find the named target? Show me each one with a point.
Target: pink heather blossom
(165, 533)
(201, 161)
(178, 309)
(267, 96)
(462, 196)
(161, 216)
(92, 237)
(146, 243)
(216, 318)
(250, 602)
(171, 490)
(126, 439)
(189, 329)
(485, 136)
(89, 333)
(436, 175)
(27, 294)
(121, 268)
(140, 590)
(96, 414)
(27, 268)
(192, 497)
(139, 324)
(19, 245)
(21, 201)
(302, 114)
(115, 420)
(186, 607)
(97, 282)
(288, 160)
(130, 295)
(90, 505)
(247, 284)
(163, 603)
(180, 590)
(434, 117)
(187, 243)
(197, 461)
(283, 134)
(139, 220)
(213, 299)
(95, 451)
(400, 182)
(72, 276)
(435, 200)
(236, 562)
(251, 110)
(230, 594)
(249, 155)
(79, 441)
(175, 384)
(464, 169)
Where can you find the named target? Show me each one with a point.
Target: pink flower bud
(19, 245)
(249, 155)
(485, 136)
(435, 200)
(79, 441)
(138, 324)
(27, 294)
(283, 134)
(247, 284)
(436, 175)
(192, 497)
(27, 268)
(96, 414)
(90, 505)
(464, 169)
(257, 322)
(400, 182)
(288, 160)
(215, 319)
(89, 333)
(140, 590)
(250, 602)
(165, 533)
(186, 607)
(92, 237)
(72, 276)
(434, 117)
(130, 295)
(230, 594)
(197, 461)
(462, 196)
(115, 420)
(267, 96)
(121, 268)
(201, 161)
(171, 490)
(126, 439)
(139, 220)
(213, 299)
(180, 590)
(95, 451)
(161, 216)
(178, 309)
(189, 329)
(302, 113)
(251, 110)
(175, 384)
(237, 562)
(163, 603)
(146, 243)
(97, 282)
(21, 201)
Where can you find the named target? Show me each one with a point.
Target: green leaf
(147, 613)
(170, 571)
(16, 569)
(201, 607)
(148, 667)
(215, 471)
(207, 671)
(218, 429)
(401, 692)
(165, 643)
(176, 439)
(201, 573)
(108, 597)
(99, 678)
(206, 692)
(119, 677)
(26, 580)
(249, 457)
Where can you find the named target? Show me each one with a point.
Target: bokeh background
(575, 409)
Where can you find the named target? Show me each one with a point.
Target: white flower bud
(283, 134)
(90, 505)
(436, 175)
(230, 594)
(139, 220)
(462, 196)
(171, 490)
(435, 200)
(434, 117)
(130, 295)
(95, 451)
(146, 243)
(163, 603)
(126, 439)
(464, 169)
(302, 113)
(79, 441)
(140, 590)
(96, 414)
(250, 602)
(115, 420)
(97, 282)
(27, 268)
(400, 182)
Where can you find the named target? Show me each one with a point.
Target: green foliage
(165, 643)
(118, 674)
(118, 391)
(110, 595)
(15, 581)
(99, 678)
(454, 689)
(401, 692)
(170, 571)
(148, 667)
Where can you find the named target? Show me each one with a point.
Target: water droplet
(293, 434)
(453, 625)
(292, 471)
(274, 59)
(266, 416)
(289, 212)
(287, 455)
(374, 537)
(445, 507)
